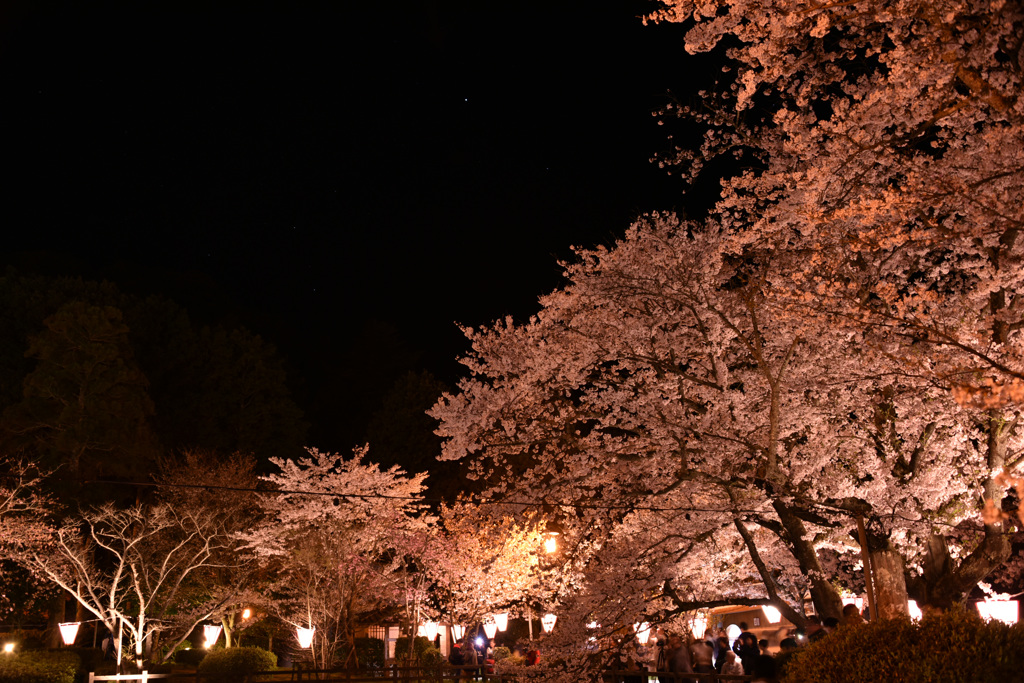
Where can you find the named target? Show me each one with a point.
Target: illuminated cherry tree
(23, 509)
(336, 535)
(666, 391)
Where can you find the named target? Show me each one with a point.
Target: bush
(420, 645)
(235, 663)
(369, 652)
(954, 647)
(431, 657)
(39, 666)
(501, 653)
(190, 657)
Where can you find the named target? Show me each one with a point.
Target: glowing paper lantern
(501, 619)
(246, 613)
(1006, 611)
(643, 632)
(915, 611)
(69, 631)
(733, 632)
(548, 622)
(700, 625)
(491, 630)
(772, 613)
(551, 542)
(458, 631)
(429, 629)
(305, 636)
(211, 632)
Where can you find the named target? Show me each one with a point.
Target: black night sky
(317, 170)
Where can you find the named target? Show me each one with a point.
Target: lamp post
(69, 631)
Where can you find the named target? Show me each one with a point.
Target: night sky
(317, 170)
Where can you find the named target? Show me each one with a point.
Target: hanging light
(211, 633)
(643, 632)
(246, 613)
(915, 611)
(551, 542)
(772, 613)
(501, 619)
(548, 622)
(69, 631)
(429, 629)
(458, 631)
(491, 630)
(1006, 611)
(305, 636)
(700, 625)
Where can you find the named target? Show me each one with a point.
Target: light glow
(501, 619)
(700, 625)
(211, 633)
(458, 631)
(246, 613)
(772, 613)
(69, 631)
(551, 542)
(305, 636)
(859, 602)
(915, 611)
(643, 632)
(8, 648)
(1006, 611)
(548, 622)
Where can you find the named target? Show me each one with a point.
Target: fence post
(92, 677)
(145, 676)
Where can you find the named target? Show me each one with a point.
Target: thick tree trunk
(890, 582)
(827, 602)
(945, 583)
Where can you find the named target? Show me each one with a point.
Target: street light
(211, 633)
(1006, 611)
(69, 631)
(305, 636)
(429, 629)
(551, 542)
(501, 619)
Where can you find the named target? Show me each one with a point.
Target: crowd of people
(673, 655)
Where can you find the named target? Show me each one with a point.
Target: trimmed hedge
(190, 656)
(369, 652)
(954, 647)
(419, 646)
(233, 664)
(39, 666)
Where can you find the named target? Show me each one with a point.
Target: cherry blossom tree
(134, 569)
(336, 536)
(23, 508)
(667, 376)
(484, 560)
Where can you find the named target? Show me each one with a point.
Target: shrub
(235, 663)
(431, 657)
(39, 666)
(420, 645)
(190, 657)
(501, 653)
(954, 647)
(369, 652)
